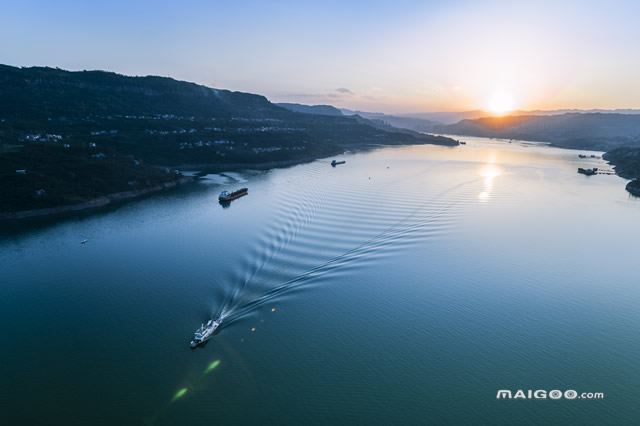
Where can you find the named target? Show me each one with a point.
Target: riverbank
(95, 203)
(129, 195)
(231, 167)
(626, 163)
(106, 200)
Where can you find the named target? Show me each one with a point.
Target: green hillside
(108, 130)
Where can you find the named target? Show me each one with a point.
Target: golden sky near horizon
(406, 56)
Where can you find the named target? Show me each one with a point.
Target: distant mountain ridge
(443, 117)
(411, 123)
(312, 109)
(599, 131)
(435, 121)
(378, 120)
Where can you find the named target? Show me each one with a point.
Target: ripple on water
(326, 225)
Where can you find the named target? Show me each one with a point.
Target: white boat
(205, 332)
(83, 241)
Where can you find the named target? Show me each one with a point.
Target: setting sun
(501, 103)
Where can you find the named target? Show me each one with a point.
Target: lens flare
(179, 394)
(211, 366)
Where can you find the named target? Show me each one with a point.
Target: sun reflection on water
(489, 172)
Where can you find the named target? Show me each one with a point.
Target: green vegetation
(53, 121)
(55, 176)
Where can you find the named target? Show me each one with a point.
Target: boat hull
(233, 195)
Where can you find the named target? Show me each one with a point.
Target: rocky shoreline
(626, 163)
(128, 195)
(633, 187)
(95, 203)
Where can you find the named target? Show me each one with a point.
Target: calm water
(405, 287)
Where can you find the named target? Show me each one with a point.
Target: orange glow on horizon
(501, 103)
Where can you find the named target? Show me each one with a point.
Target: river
(407, 286)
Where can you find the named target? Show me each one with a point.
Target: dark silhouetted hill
(597, 131)
(312, 109)
(53, 120)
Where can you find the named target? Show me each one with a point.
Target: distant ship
(588, 172)
(228, 196)
(335, 163)
(205, 332)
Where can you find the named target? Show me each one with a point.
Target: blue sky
(402, 56)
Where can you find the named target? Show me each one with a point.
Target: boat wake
(394, 235)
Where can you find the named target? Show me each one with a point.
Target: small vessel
(588, 172)
(83, 241)
(228, 196)
(335, 163)
(462, 143)
(205, 332)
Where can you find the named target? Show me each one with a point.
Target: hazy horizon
(407, 58)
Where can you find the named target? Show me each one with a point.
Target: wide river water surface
(407, 286)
